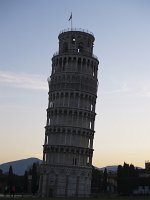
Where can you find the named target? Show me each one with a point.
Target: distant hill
(19, 166)
(112, 168)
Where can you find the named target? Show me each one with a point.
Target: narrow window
(91, 107)
(88, 160)
(90, 124)
(73, 40)
(51, 104)
(74, 161)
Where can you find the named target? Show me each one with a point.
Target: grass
(101, 197)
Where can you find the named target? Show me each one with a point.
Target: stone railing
(57, 53)
(76, 29)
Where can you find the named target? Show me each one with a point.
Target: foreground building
(69, 132)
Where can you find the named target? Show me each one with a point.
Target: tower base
(62, 181)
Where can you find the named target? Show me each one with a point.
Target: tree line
(126, 178)
(11, 183)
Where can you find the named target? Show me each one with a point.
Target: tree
(34, 182)
(96, 180)
(126, 170)
(10, 178)
(25, 181)
(119, 171)
(126, 177)
(119, 178)
(104, 184)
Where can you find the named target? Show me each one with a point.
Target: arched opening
(80, 48)
(74, 161)
(73, 40)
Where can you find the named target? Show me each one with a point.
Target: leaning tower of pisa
(69, 132)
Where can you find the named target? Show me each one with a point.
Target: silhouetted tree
(104, 183)
(34, 182)
(10, 180)
(127, 175)
(125, 170)
(119, 176)
(25, 182)
(119, 171)
(96, 182)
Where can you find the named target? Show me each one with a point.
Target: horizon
(109, 165)
(29, 38)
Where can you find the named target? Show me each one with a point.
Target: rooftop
(76, 29)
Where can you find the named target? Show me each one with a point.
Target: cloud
(121, 88)
(22, 80)
(128, 88)
(144, 89)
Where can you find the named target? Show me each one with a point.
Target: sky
(29, 32)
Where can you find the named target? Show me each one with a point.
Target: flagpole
(71, 23)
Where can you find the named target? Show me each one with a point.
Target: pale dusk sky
(28, 39)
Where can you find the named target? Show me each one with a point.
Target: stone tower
(69, 132)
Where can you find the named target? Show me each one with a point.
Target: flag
(70, 17)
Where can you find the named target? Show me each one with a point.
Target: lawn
(103, 197)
